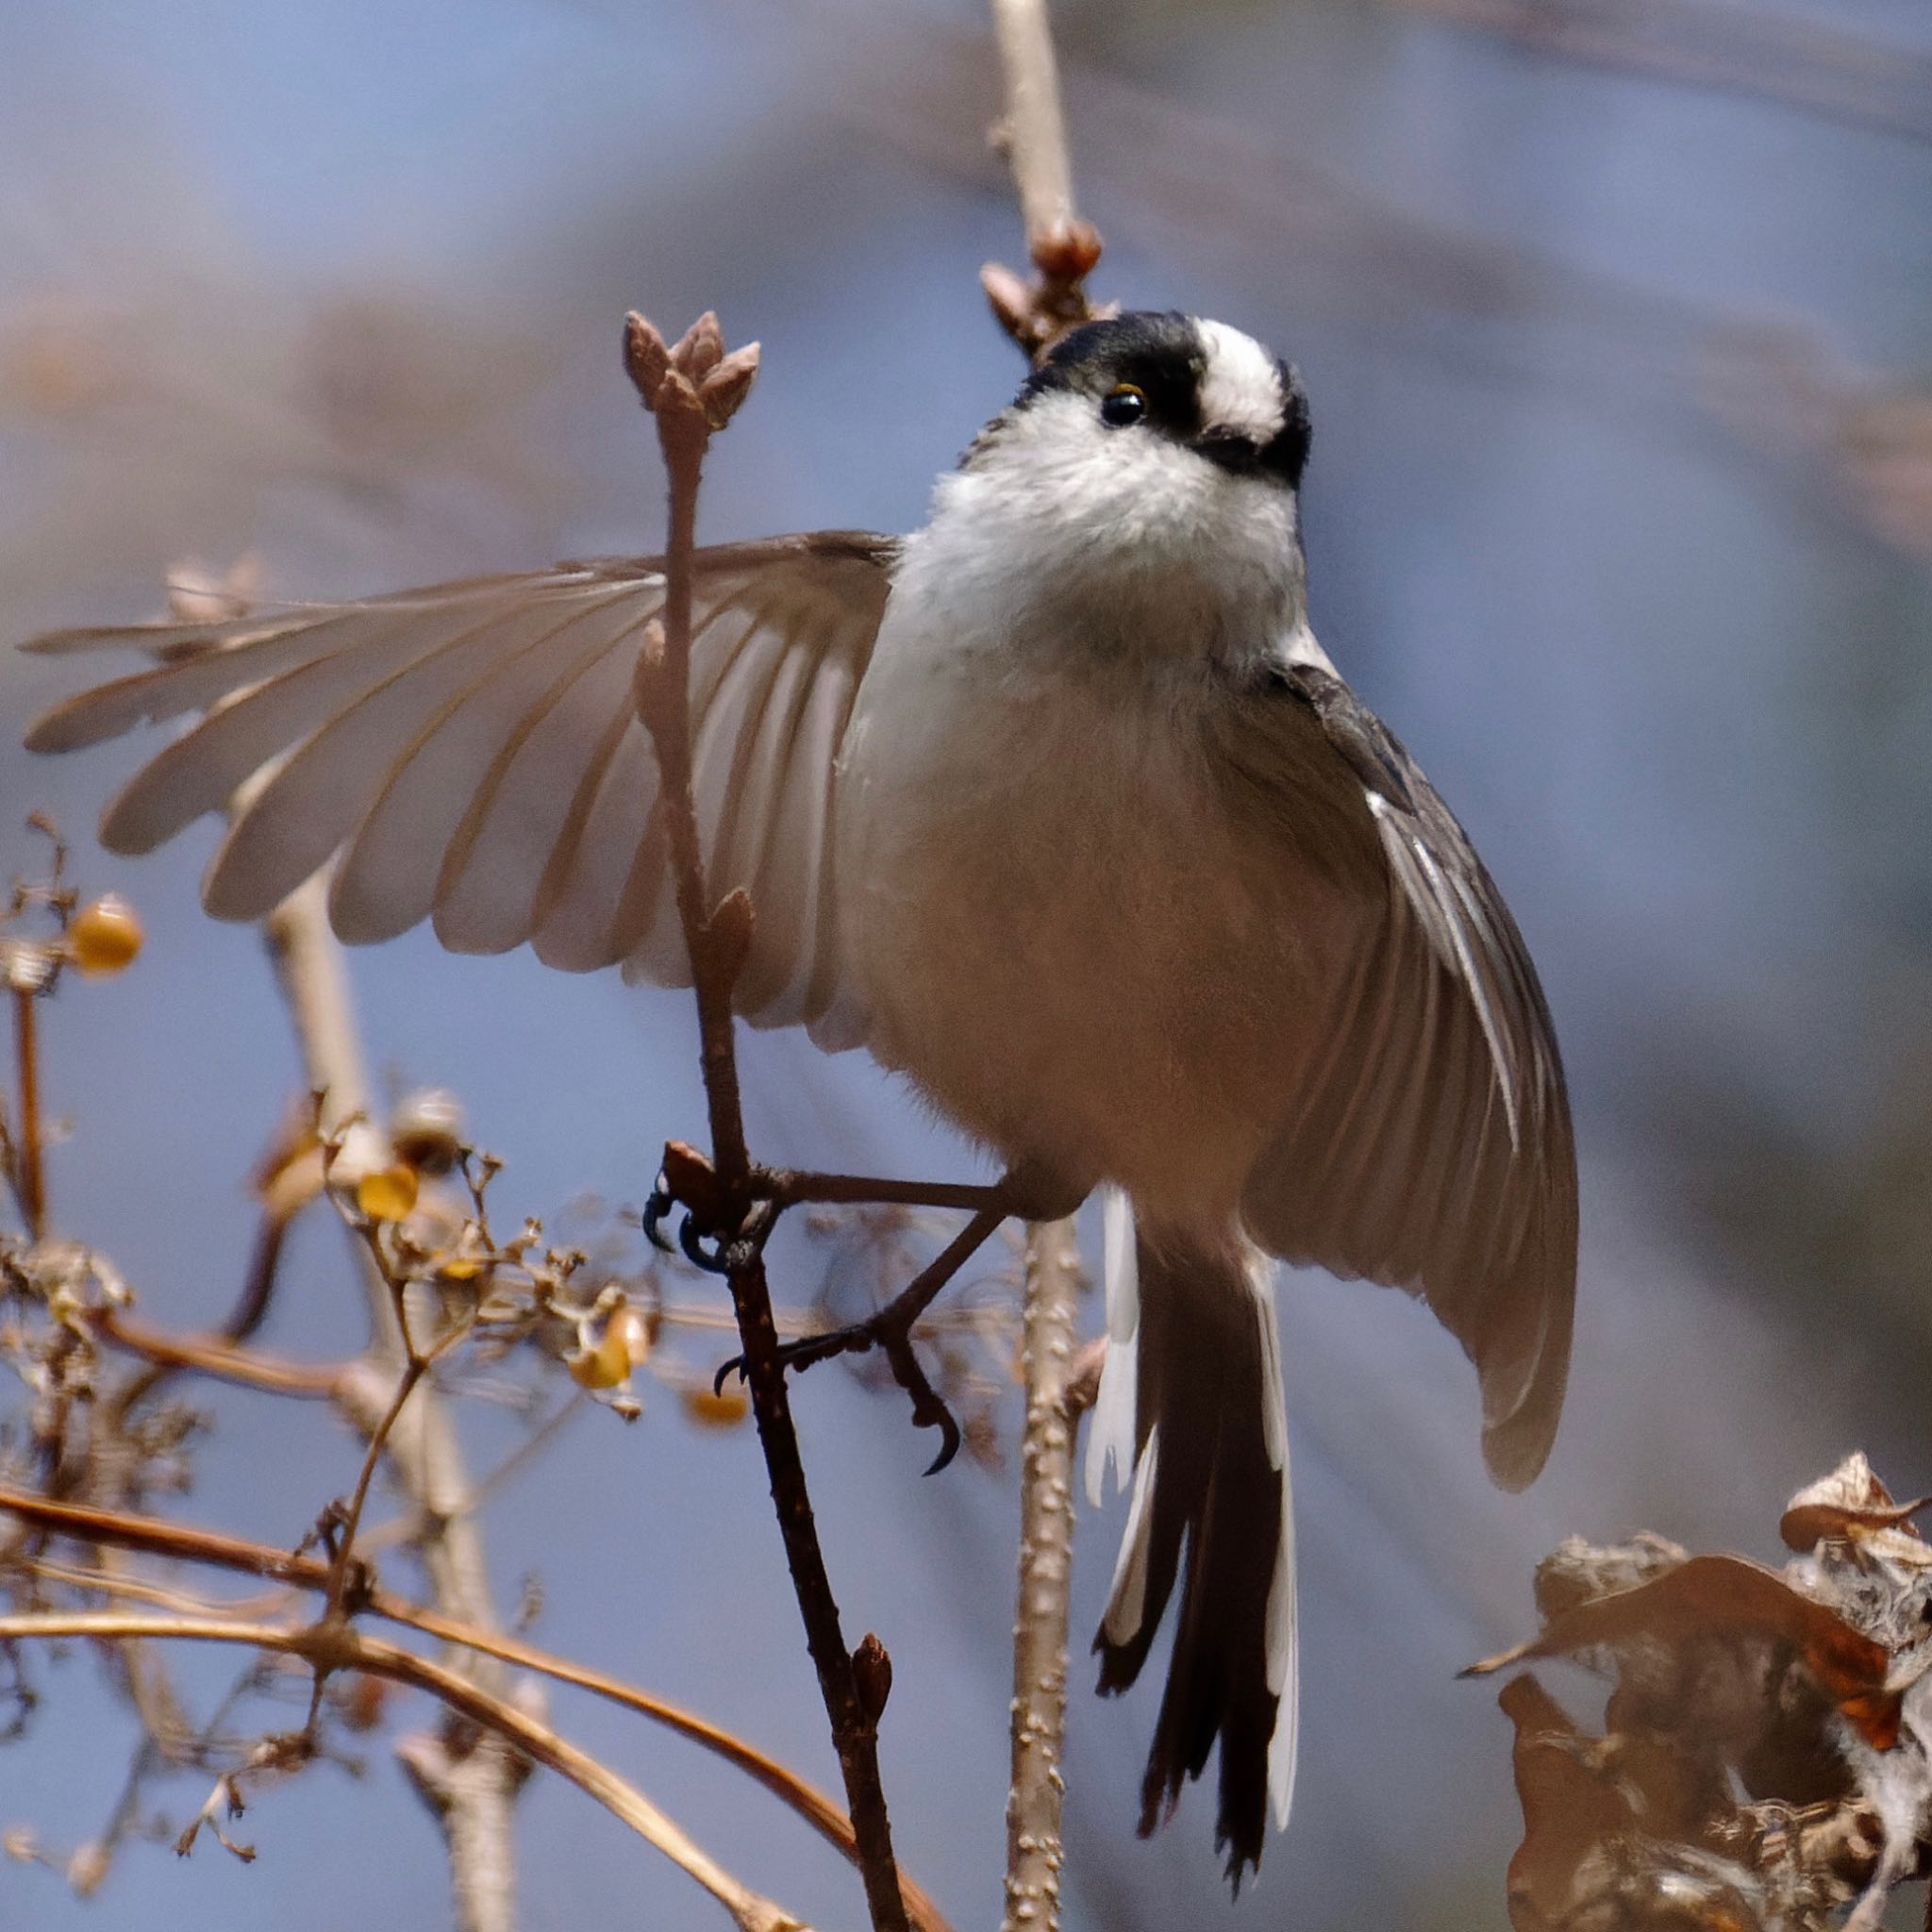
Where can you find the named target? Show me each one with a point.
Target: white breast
(1063, 934)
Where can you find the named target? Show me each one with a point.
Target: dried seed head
(26, 966)
(427, 1130)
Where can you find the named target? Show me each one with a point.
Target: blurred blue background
(1619, 511)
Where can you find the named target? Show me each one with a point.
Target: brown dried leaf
(1728, 1596)
(1850, 1501)
(1567, 1809)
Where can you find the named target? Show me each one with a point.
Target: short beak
(1229, 448)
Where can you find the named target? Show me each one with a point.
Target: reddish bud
(700, 348)
(872, 1674)
(724, 390)
(731, 925)
(646, 360)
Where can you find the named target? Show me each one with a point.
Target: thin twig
(1047, 1571)
(182, 1542)
(422, 1443)
(1063, 248)
(677, 386)
(216, 1356)
(332, 1646)
(30, 1179)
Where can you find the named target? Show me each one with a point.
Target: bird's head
(1151, 462)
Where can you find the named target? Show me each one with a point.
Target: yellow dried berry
(388, 1193)
(104, 937)
(725, 1409)
(605, 1366)
(633, 1330)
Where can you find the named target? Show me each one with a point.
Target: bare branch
(333, 1646)
(1034, 1846)
(1063, 248)
(690, 390)
(185, 1543)
(421, 1441)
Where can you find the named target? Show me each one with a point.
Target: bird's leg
(890, 1328)
(715, 1238)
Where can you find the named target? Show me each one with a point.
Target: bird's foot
(711, 1236)
(890, 1329)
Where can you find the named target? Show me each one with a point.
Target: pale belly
(1071, 941)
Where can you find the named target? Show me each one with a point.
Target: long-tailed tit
(1059, 808)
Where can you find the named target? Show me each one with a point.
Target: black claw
(655, 1208)
(715, 1259)
(929, 1410)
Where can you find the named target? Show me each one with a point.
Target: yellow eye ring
(1126, 403)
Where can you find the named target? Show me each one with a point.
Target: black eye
(1125, 404)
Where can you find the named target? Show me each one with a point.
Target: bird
(1056, 807)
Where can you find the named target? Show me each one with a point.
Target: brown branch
(422, 1445)
(690, 390)
(185, 1543)
(216, 1356)
(1063, 248)
(332, 1646)
(1034, 1845)
(29, 1176)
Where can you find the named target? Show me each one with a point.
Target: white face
(1165, 531)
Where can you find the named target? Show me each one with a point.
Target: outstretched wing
(1431, 1148)
(471, 753)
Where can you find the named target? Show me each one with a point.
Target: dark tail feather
(1194, 1326)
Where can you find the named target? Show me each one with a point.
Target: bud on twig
(1068, 252)
(731, 923)
(724, 390)
(700, 348)
(646, 360)
(872, 1672)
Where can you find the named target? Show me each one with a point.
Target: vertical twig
(1046, 1565)
(692, 390)
(1064, 250)
(471, 1793)
(30, 1176)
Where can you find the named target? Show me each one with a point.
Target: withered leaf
(1805, 1525)
(1567, 1808)
(1728, 1596)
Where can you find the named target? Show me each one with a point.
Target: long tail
(1191, 1399)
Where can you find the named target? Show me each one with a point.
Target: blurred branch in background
(1798, 63)
(102, 1448)
(1233, 203)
